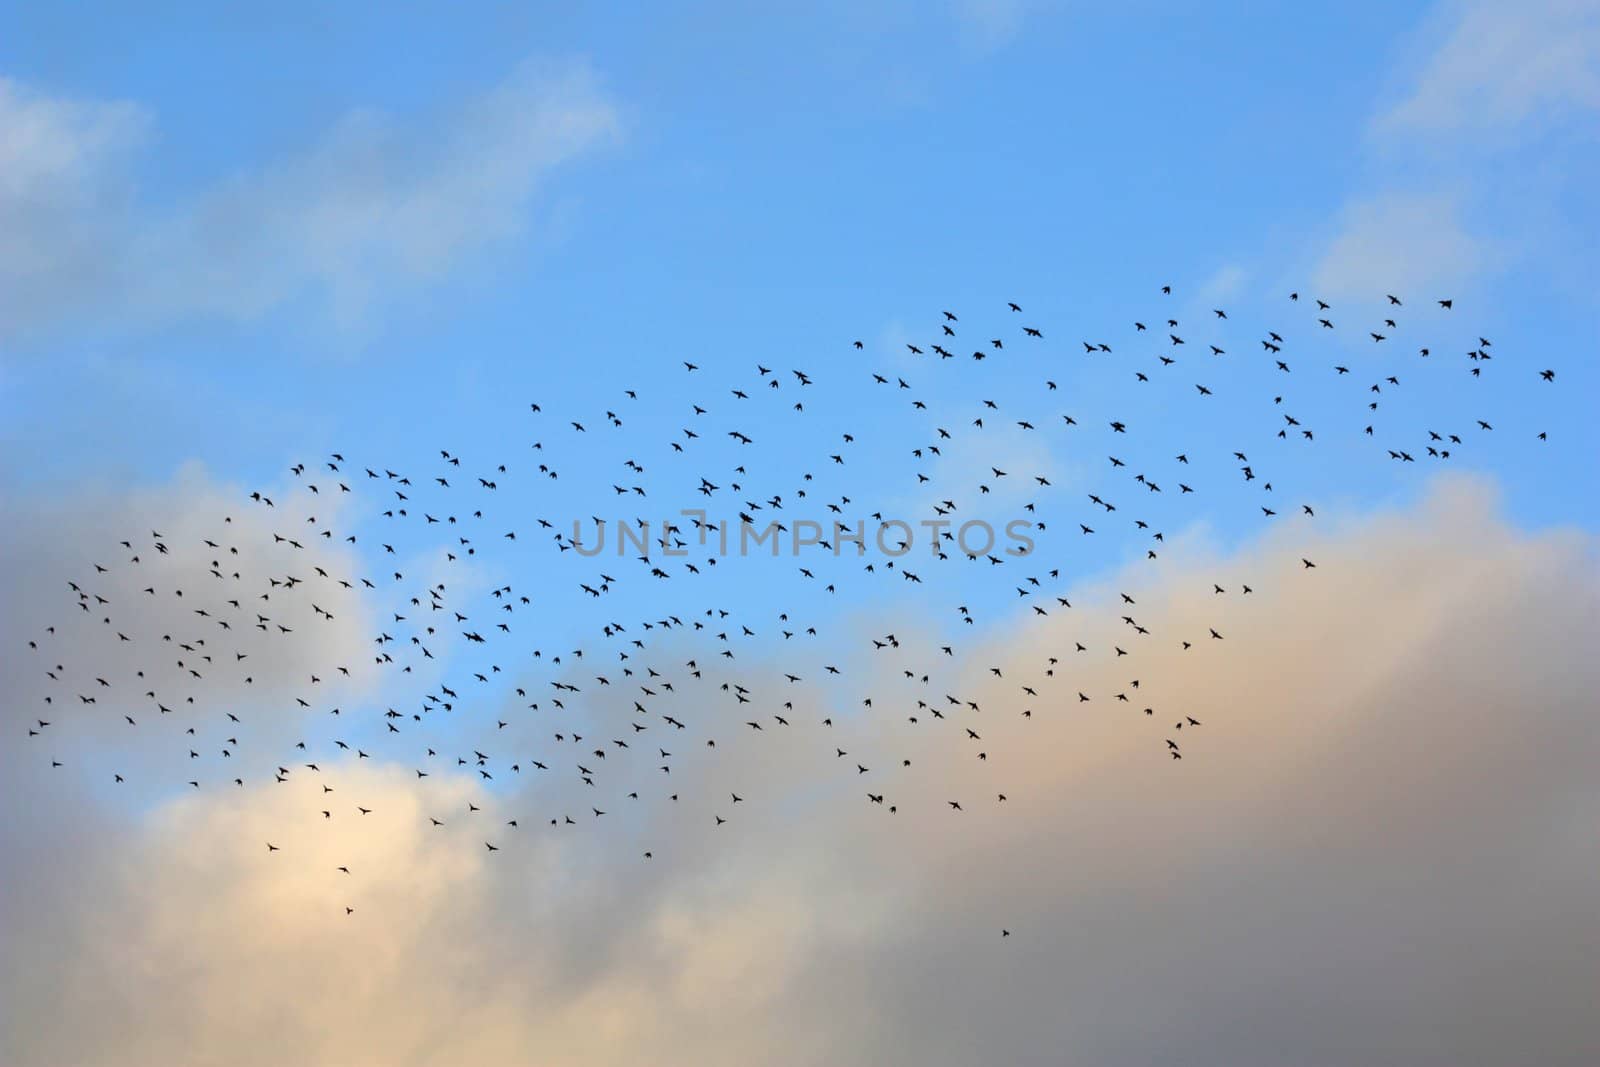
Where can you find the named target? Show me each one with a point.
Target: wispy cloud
(1501, 65)
(989, 24)
(1401, 242)
(1498, 75)
(379, 203)
(1225, 283)
(63, 199)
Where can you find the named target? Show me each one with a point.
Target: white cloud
(378, 203)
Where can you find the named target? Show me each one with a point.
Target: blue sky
(233, 240)
(275, 238)
(875, 163)
(872, 166)
(738, 187)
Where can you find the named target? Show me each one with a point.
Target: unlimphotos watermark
(743, 537)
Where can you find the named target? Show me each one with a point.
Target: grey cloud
(1374, 851)
(1378, 848)
(59, 541)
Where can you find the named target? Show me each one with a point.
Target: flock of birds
(179, 657)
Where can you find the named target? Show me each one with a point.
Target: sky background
(231, 241)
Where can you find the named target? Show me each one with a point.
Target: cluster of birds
(218, 609)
